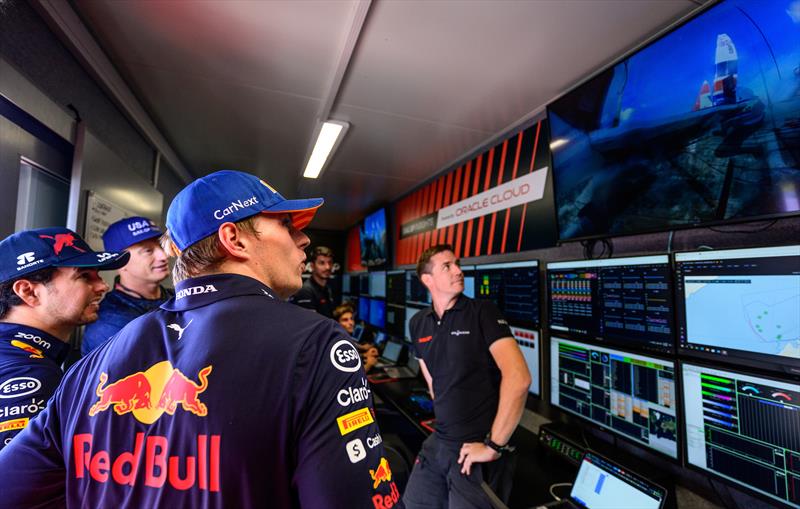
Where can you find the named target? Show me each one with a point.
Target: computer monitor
(619, 301)
(363, 284)
(392, 351)
(380, 339)
(528, 341)
(416, 293)
(629, 394)
(514, 287)
(346, 284)
(410, 312)
(377, 313)
(396, 287)
(377, 284)
(395, 320)
(469, 280)
(740, 305)
(358, 331)
(363, 309)
(602, 484)
(744, 429)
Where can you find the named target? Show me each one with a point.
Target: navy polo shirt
(30, 370)
(316, 297)
(466, 380)
(224, 397)
(116, 310)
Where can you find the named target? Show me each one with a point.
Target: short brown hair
(320, 251)
(341, 310)
(203, 256)
(9, 299)
(424, 262)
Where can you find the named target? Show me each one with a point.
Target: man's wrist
(499, 449)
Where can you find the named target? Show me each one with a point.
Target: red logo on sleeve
(425, 339)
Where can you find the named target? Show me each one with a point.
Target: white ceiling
(239, 84)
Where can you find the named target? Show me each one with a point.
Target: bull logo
(180, 389)
(131, 392)
(62, 240)
(148, 394)
(35, 352)
(381, 474)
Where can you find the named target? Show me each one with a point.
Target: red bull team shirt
(30, 370)
(224, 397)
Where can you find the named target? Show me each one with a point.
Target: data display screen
(363, 284)
(363, 309)
(741, 304)
(377, 284)
(377, 313)
(395, 320)
(622, 301)
(745, 429)
(416, 293)
(514, 287)
(528, 341)
(629, 394)
(346, 284)
(410, 312)
(396, 287)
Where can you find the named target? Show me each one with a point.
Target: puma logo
(179, 329)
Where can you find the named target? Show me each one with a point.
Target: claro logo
(344, 356)
(19, 386)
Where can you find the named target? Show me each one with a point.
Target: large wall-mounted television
(741, 306)
(744, 429)
(701, 126)
(374, 248)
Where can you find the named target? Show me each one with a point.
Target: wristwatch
(499, 449)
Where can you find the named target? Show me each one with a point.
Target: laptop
(391, 354)
(603, 484)
(409, 371)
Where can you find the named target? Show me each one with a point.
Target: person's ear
(26, 291)
(427, 279)
(234, 241)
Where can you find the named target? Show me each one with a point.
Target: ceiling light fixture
(558, 142)
(330, 136)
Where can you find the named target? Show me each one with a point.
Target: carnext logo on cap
(235, 205)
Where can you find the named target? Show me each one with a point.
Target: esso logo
(344, 356)
(19, 386)
(31, 337)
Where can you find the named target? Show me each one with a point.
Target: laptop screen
(601, 484)
(392, 351)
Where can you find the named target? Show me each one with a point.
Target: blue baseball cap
(127, 232)
(32, 250)
(229, 196)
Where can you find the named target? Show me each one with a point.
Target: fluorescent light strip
(328, 139)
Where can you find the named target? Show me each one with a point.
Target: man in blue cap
(226, 396)
(137, 288)
(48, 287)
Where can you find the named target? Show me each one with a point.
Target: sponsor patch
(425, 339)
(19, 386)
(459, 332)
(344, 356)
(351, 395)
(35, 352)
(354, 420)
(381, 474)
(13, 424)
(355, 450)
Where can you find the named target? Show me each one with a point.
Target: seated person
(369, 354)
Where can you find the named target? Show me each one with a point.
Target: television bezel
(604, 341)
(387, 247)
(679, 458)
(756, 362)
(669, 29)
(685, 447)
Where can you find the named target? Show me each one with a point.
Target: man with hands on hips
(479, 382)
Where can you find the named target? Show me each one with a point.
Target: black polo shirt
(316, 297)
(466, 380)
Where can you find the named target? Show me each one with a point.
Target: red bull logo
(381, 474)
(387, 501)
(148, 394)
(35, 352)
(62, 240)
(200, 469)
